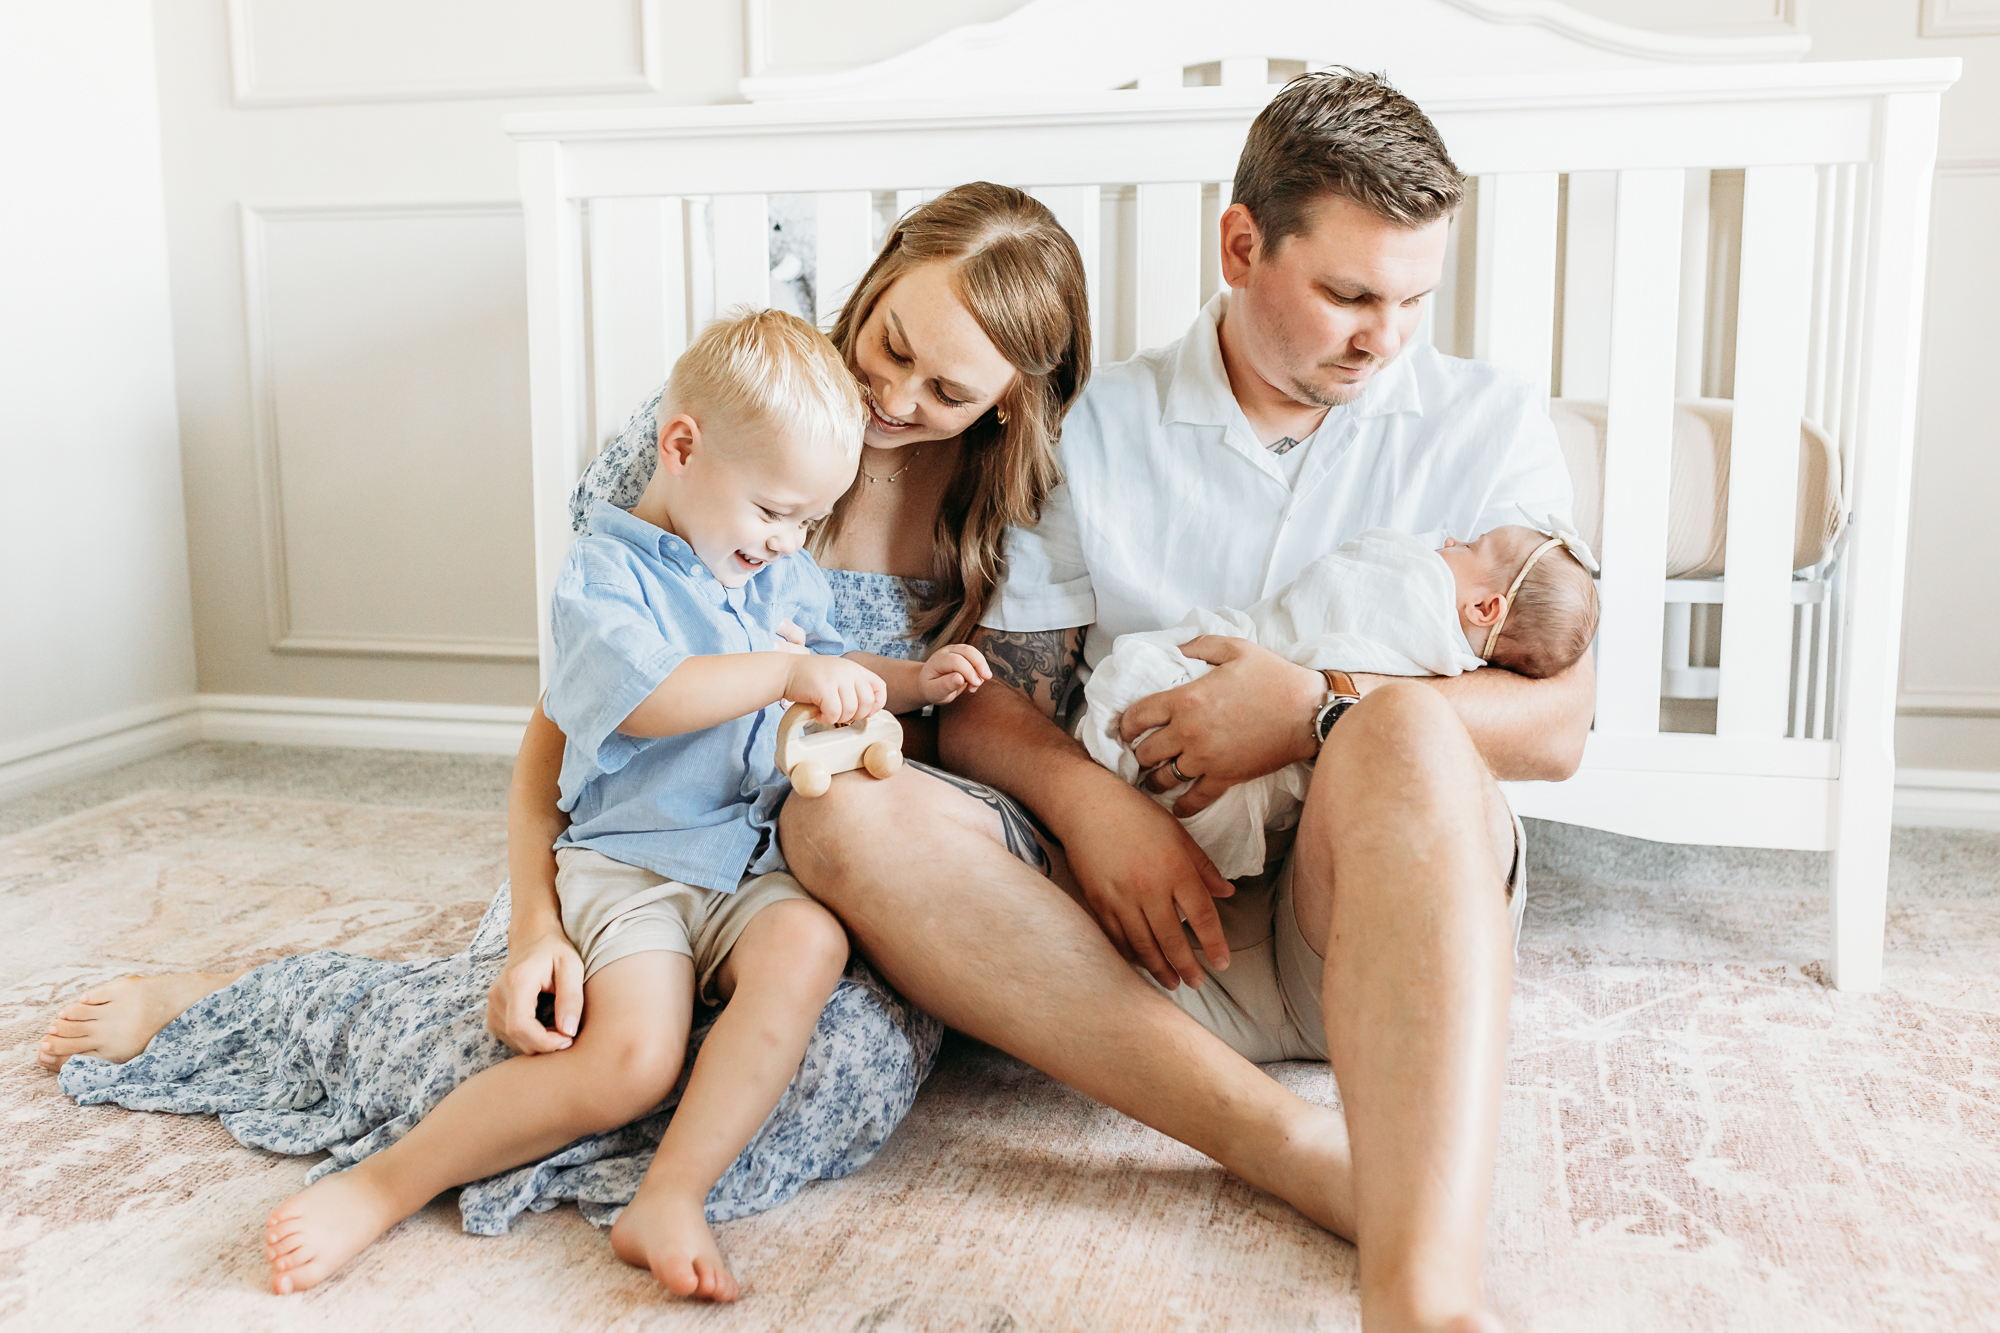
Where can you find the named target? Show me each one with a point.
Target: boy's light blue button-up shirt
(631, 604)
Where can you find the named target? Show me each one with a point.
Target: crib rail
(1604, 252)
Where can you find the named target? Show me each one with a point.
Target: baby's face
(1482, 570)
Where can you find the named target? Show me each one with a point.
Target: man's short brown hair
(1341, 131)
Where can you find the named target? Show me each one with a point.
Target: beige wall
(349, 309)
(95, 651)
(356, 472)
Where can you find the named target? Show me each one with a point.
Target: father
(1296, 413)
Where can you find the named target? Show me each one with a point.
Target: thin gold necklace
(872, 478)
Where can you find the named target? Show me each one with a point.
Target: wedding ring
(1175, 765)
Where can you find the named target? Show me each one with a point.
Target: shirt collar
(608, 520)
(1199, 393)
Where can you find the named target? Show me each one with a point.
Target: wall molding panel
(1959, 18)
(285, 635)
(253, 85)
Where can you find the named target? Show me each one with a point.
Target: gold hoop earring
(1000, 415)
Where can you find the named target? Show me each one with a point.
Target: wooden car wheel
(881, 759)
(810, 779)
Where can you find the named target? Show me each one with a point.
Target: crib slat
(1588, 225)
(1514, 311)
(1080, 210)
(742, 251)
(1638, 447)
(1169, 260)
(1694, 286)
(1773, 323)
(638, 303)
(843, 246)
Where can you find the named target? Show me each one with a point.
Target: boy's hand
(841, 690)
(546, 966)
(951, 671)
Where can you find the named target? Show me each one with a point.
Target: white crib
(641, 224)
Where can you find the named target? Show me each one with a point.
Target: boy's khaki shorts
(612, 910)
(1267, 1005)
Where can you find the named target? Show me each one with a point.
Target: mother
(970, 333)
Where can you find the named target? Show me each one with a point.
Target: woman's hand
(841, 690)
(548, 964)
(953, 670)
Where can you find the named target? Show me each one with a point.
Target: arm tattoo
(1041, 663)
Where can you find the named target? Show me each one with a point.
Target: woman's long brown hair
(1021, 278)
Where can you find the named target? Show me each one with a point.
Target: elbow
(1561, 759)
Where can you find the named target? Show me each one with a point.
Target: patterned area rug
(1698, 1133)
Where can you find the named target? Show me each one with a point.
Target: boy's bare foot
(115, 1021)
(667, 1233)
(317, 1230)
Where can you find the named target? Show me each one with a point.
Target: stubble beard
(1330, 397)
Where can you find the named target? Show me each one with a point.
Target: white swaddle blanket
(1384, 603)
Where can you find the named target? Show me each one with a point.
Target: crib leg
(1860, 899)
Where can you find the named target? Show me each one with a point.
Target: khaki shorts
(1267, 1005)
(611, 910)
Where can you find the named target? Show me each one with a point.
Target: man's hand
(1141, 874)
(1248, 717)
(841, 690)
(952, 671)
(547, 965)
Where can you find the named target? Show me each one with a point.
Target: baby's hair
(768, 367)
(1552, 620)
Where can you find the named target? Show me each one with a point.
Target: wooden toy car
(811, 758)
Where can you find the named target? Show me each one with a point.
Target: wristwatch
(1339, 697)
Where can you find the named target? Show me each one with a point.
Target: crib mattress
(1698, 501)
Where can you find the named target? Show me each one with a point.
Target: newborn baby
(1384, 603)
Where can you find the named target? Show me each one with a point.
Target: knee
(816, 832)
(632, 1072)
(1405, 723)
(802, 944)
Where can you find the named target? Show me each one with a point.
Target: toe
(678, 1276)
(725, 1286)
(69, 1028)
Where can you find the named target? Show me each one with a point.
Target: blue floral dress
(337, 1053)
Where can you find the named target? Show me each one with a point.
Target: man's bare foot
(317, 1230)
(115, 1021)
(667, 1233)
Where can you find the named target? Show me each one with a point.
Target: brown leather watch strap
(1340, 682)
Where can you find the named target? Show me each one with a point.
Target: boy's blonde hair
(768, 368)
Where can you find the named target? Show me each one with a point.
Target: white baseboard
(1947, 798)
(363, 724)
(97, 744)
(118, 738)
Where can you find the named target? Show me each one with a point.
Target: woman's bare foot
(667, 1233)
(317, 1230)
(115, 1021)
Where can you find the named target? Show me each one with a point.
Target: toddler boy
(671, 882)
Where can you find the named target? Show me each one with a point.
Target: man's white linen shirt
(1170, 502)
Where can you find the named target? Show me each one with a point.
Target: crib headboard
(641, 224)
